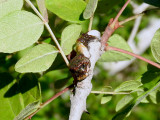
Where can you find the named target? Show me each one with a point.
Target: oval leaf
(69, 10)
(113, 56)
(124, 112)
(69, 36)
(155, 45)
(105, 99)
(90, 9)
(39, 59)
(123, 102)
(20, 30)
(29, 109)
(7, 6)
(128, 86)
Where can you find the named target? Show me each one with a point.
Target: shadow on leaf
(151, 77)
(5, 79)
(27, 82)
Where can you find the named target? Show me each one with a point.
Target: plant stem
(134, 55)
(112, 26)
(130, 18)
(110, 93)
(50, 100)
(90, 23)
(120, 12)
(50, 31)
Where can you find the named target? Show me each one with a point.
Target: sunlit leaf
(110, 56)
(123, 102)
(128, 86)
(29, 109)
(123, 113)
(106, 98)
(69, 36)
(153, 96)
(90, 9)
(145, 100)
(69, 10)
(155, 46)
(8, 6)
(20, 30)
(38, 59)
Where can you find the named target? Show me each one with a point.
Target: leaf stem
(120, 12)
(110, 93)
(134, 55)
(130, 18)
(49, 30)
(50, 100)
(90, 23)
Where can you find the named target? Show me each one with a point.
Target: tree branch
(110, 93)
(83, 88)
(134, 55)
(112, 26)
(118, 15)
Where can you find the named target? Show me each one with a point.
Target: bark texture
(83, 88)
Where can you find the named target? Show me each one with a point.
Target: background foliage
(28, 90)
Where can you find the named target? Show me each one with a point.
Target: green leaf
(155, 45)
(21, 53)
(20, 30)
(69, 36)
(29, 109)
(69, 10)
(124, 102)
(110, 56)
(15, 96)
(145, 100)
(122, 113)
(8, 6)
(153, 2)
(39, 59)
(151, 77)
(153, 96)
(106, 98)
(90, 9)
(128, 86)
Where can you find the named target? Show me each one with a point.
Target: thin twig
(134, 55)
(120, 12)
(110, 93)
(112, 26)
(90, 23)
(50, 100)
(130, 18)
(50, 31)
